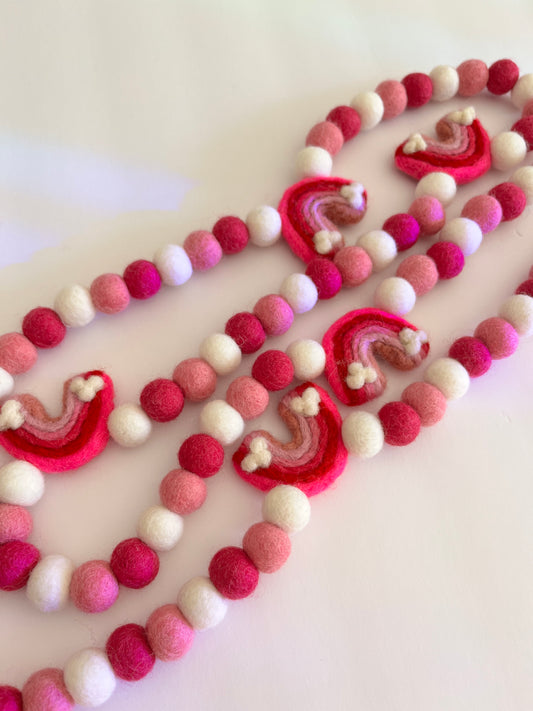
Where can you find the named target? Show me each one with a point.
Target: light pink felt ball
(473, 77)
(109, 293)
(394, 97)
(93, 587)
(169, 634)
(420, 271)
(17, 353)
(196, 378)
(248, 397)
(354, 265)
(326, 135)
(275, 314)
(203, 249)
(182, 492)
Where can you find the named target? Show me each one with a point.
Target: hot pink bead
(134, 564)
(347, 119)
(275, 314)
(499, 336)
(196, 378)
(10, 699)
(273, 369)
(43, 327)
(420, 271)
(429, 214)
(129, 652)
(17, 560)
(162, 400)
(142, 279)
(201, 454)
(16, 523)
(247, 331)
(485, 210)
(203, 250)
(524, 127)
(511, 198)
(93, 587)
(528, 109)
(404, 229)
(503, 75)
(427, 401)
(326, 135)
(400, 422)
(526, 287)
(17, 354)
(473, 355)
(394, 97)
(473, 77)
(182, 492)
(233, 573)
(248, 397)
(354, 265)
(231, 233)
(267, 546)
(46, 691)
(169, 634)
(326, 277)
(448, 259)
(419, 88)
(109, 293)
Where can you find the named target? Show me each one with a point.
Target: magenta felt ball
(400, 422)
(196, 378)
(10, 699)
(427, 401)
(162, 400)
(503, 75)
(93, 587)
(43, 327)
(448, 259)
(429, 214)
(142, 279)
(17, 353)
(134, 564)
(17, 560)
(326, 277)
(499, 336)
(273, 369)
(420, 271)
(419, 89)
(169, 634)
(182, 492)
(404, 229)
(248, 397)
(275, 314)
(231, 233)
(129, 652)
(485, 210)
(201, 454)
(203, 249)
(326, 135)
(473, 355)
(16, 523)
(511, 198)
(473, 77)
(526, 287)
(46, 691)
(267, 546)
(109, 293)
(394, 97)
(233, 573)
(247, 331)
(347, 119)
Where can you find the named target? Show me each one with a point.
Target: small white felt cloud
(325, 240)
(355, 194)
(465, 117)
(412, 341)
(308, 404)
(414, 143)
(86, 389)
(11, 415)
(259, 457)
(359, 376)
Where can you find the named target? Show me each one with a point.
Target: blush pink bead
(16, 523)
(196, 378)
(275, 314)
(17, 353)
(93, 587)
(485, 210)
(142, 279)
(429, 214)
(420, 271)
(427, 401)
(109, 294)
(394, 97)
(182, 492)
(248, 397)
(203, 249)
(354, 265)
(499, 336)
(46, 691)
(511, 198)
(404, 229)
(267, 546)
(169, 634)
(326, 135)
(473, 77)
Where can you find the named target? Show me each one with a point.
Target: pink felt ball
(419, 89)
(196, 378)
(524, 127)
(93, 587)
(394, 97)
(473, 355)
(347, 119)
(404, 229)
(46, 691)
(448, 259)
(526, 287)
(43, 327)
(499, 336)
(17, 354)
(273, 369)
(10, 699)
(485, 210)
(169, 634)
(354, 265)
(17, 560)
(267, 545)
(16, 523)
(142, 279)
(275, 314)
(134, 564)
(162, 400)
(503, 75)
(511, 198)
(427, 401)
(201, 454)
(400, 422)
(109, 293)
(326, 277)
(429, 214)
(182, 492)
(233, 573)
(326, 135)
(473, 77)
(231, 233)
(129, 652)
(248, 397)
(203, 249)
(420, 271)
(247, 331)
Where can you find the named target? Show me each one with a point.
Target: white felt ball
(523, 177)
(160, 528)
(362, 434)
(287, 507)
(74, 306)
(6, 383)
(449, 376)
(380, 247)
(508, 149)
(522, 91)
(369, 106)
(313, 161)
(463, 232)
(445, 82)
(173, 264)
(518, 311)
(308, 358)
(129, 425)
(264, 225)
(438, 185)
(221, 352)
(201, 603)
(89, 677)
(20, 483)
(221, 421)
(300, 292)
(48, 585)
(395, 295)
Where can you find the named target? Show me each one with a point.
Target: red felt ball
(247, 331)
(400, 422)
(524, 127)
(247, 396)
(347, 119)
(273, 369)
(448, 259)
(429, 214)
(503, 75)
(16, 524)
(231, 233)
(326, 135)
(129, 652)
(134, 564)
(43, 327)
(499, 336)
(201, 454)
(473, 355)
(419, 88)
(182, 492)
(142, 279)
(394, 97)
(326, 277)
(473, 77)
(275, 314)
(17, 560)
(196, 378)
(404, 229)
(17, 353)
(233, 573)
(420, 271)
(10, 699)
(427, 400)
(267, 545)
(526, 287)
(512, 199)
(162, 400)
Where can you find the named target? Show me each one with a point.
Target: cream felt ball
(221, 421)
(380, 247)
(362, 434)
(160, 528)
(522, 91)
(518, 311)
(449, 376)
(6, 383)
(173, 264)
(264, 225)
(20, 483)
(308, 358)
(508, 149)
(287, 507)
(445, 80)
(221, 352)
(129, 425)
(523, 177)
(369, 106)
(395, 295)
(463, 232)
(201, 603)
(313, 161)
(300, 292)
(438, 185)
(74, 306)
(48, 585)
(89, 677)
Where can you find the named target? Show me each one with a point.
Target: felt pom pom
(221, 421)
(160, 528)
(508, 149)
(129, 652)
(428, 402)
(74, 306)
(445, 81)
(420, 271)
(326, 277)
(233, 573)
(169, 634)
(473, 77)
(274, 313)
(10, 699)
(449, 376)
(395, 295)
(419, 89)
(93, 587)
(201, 604)
(264, 225)
(142, 279)
(17, 354)
(354, 264)
(326, 135)
(511, 198)
(17, 560)
(485, 210)
(43, 328)
(128, 425)
(89, 677)
(428, 213)
(369, 106)
(313, 161)
(439, 185)
(268, 546)
(518, 310)
(448, 259)
(499, 336)
(248, 397)
(287, 507)
(380, 247)
(404, 229)
(362, 434)
(231, 233)
(463, 232)
(247, 332)
(49, 583)
(273, 369)
(134, 564)
(347, 119)
(16, 523)
(400, 422)
(162, 400)
(46, 691)
(503, 75)
(196, 378)
(472, 354)
(173, 265)
(203, 250)
(524, 127)
(299, 292)
(526, 287)
(109, 293)
(522, 91)
(221, 352)
(182, 492)
(201, 454)
(394, 97)
(20, 483)
(523, 177)
(7, 383)
(308, 358)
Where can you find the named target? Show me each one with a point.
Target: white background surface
(125, 125)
